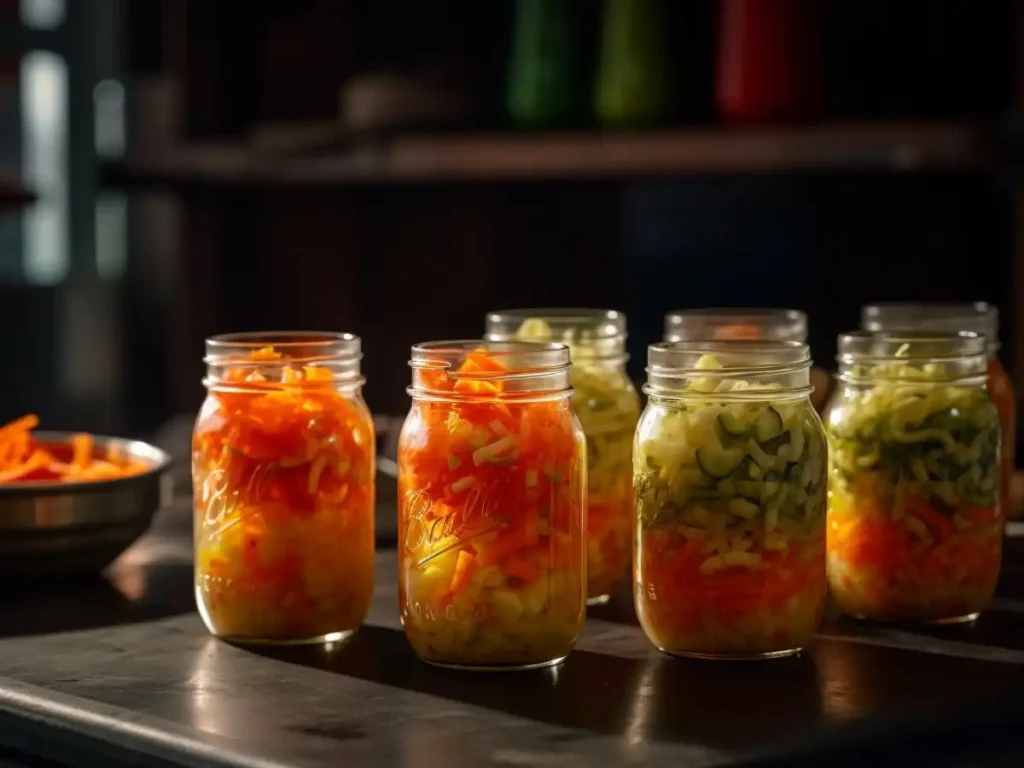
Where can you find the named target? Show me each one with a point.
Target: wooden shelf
(864, 147)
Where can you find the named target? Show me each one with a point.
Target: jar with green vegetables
(915, 525)
(979, 317)
(608, 407)
(729, 472)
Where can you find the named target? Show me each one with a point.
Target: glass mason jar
(283, 479)
(491, 488)
(979, 317)
(608, 407)
(915, 526)
(729, 473)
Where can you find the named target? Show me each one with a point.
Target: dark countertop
(120, 671)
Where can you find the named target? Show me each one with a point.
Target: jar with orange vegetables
(979, 317)
(491, 484)
(729, 472)
(915, 526)
(283, 479)
(608, 407)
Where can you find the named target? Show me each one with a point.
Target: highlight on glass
(608, 407)
(283, 478)
(915, 524)
(492, 486)
(729, 476)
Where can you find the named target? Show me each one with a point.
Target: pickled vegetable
(283, 475)
(491, 523)
(608, 408)
(730, 499)
(977, 317)
(915, 526)
(26, 459)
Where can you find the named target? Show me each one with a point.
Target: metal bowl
(54, 530)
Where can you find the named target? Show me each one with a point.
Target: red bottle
(768, 61)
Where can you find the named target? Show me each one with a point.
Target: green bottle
(632, 76)
(544, 71)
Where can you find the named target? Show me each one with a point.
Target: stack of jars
(529, 481)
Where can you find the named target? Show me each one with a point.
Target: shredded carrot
(882, 569)
(681, 602)
(464, 570)
(283, 462)
(492, 515)
(940, 525)
(25, 459)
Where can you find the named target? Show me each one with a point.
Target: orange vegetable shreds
(24, 459)
(915, 528)
(283, 477)
(491, 493)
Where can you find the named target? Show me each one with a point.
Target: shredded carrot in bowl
(24, 459)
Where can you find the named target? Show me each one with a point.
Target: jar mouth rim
(498, 348)
(528, 369)
(909, 346)
(781, 324)
(932, 309)
(671, 357)
(748, 312)
(341, 351)
(777, 369)
(258, 339)
(978, 317)
(601, 323)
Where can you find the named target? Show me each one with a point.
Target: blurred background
(171, 169)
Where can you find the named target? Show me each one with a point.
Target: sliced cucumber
(734, 458)
(717, 462)
(768, 490)
(796, 443)
(735, 426)
(758, 454)
(749, 489)
(769, 425)
(743, 508)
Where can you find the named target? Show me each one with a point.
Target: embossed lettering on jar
(915, 525)
(492, 480)
(283, 478)
(729, 471)
(608, 407)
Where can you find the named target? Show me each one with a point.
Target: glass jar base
(496, 667)
(598, 600)
(326, 638)
(732, 656)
